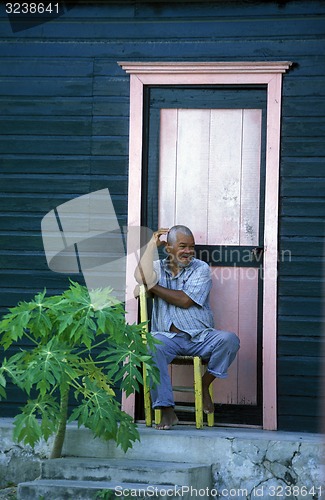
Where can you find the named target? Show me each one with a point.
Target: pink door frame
(217, 73)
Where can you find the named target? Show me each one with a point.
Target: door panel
(218, 153)
(209, 180)
(234, 301)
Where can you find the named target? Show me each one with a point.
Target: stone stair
(247, 461)
(91, 478)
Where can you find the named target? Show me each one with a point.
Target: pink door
(209, 178)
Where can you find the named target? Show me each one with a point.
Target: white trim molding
(218, 73)
(204, 68)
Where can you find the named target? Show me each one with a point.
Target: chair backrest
(181, 360)
(143, 307)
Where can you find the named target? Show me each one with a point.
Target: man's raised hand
(157, 235)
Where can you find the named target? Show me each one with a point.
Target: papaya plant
(79, 347)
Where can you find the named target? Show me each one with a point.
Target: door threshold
(222, 424)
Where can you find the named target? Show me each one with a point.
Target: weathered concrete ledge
(18, 462)
(246, 463)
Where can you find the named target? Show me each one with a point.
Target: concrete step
(88, 478)
(127, 470)
(241, 458)
(181, 443)
(62, 489)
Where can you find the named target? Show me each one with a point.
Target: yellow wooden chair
(197, 363)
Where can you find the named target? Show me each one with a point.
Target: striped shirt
(195, 281)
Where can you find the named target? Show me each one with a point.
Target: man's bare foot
(207, 379)
(168, 419)
(208, 406)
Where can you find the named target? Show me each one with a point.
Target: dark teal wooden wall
(64, 105)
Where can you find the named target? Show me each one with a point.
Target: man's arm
(194, 293)
(144, 272)
(176, 297)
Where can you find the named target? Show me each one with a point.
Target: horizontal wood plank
(300, 306)
(294, 206)
(301, 346)
(302, 406)
(302, 286)
(40, 126)
(298, 385)
(302, 167)
(62, 164)
(301, 325)
(163, 28)
(310, 146)
(301, 246)
(299, 366)
(22, 67)
(44, 86)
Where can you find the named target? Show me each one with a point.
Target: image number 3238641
(21, 8)
(25, 15)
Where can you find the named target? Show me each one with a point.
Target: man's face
(182, 251)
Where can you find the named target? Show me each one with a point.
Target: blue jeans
(219, 347)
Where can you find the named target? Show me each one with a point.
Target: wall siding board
(298, 386)
(311, 186)
(204, 48)
(304, 406)
(64, 117)
(289, 365)
(37, 164)
(312, 287)
(302, 167)
(301, 247)
(309, 106)
(311, 146)
(52, 106)
(54, 126)
(304, 226)
(175, 10)
(44, 86)
(301, 326)
(300, 306)
(295, 346)
(35, 279)
(109, 107)
(45, 202)
(163, 29)
(18, 240)
(111, 86)
(104, 145)
(22, 67)
(12, 144)
(35, 183)
(302, 266)
(294, 87)
(26, 260)
(105, 125)
(299, 206)
(306, 127)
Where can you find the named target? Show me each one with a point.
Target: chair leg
(198, 392)
(210, 416)
(147, 399)
(157, 417)
(147, 402)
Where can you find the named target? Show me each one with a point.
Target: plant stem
(60, 435)
(93, 347)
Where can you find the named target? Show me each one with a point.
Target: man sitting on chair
(181, 318)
